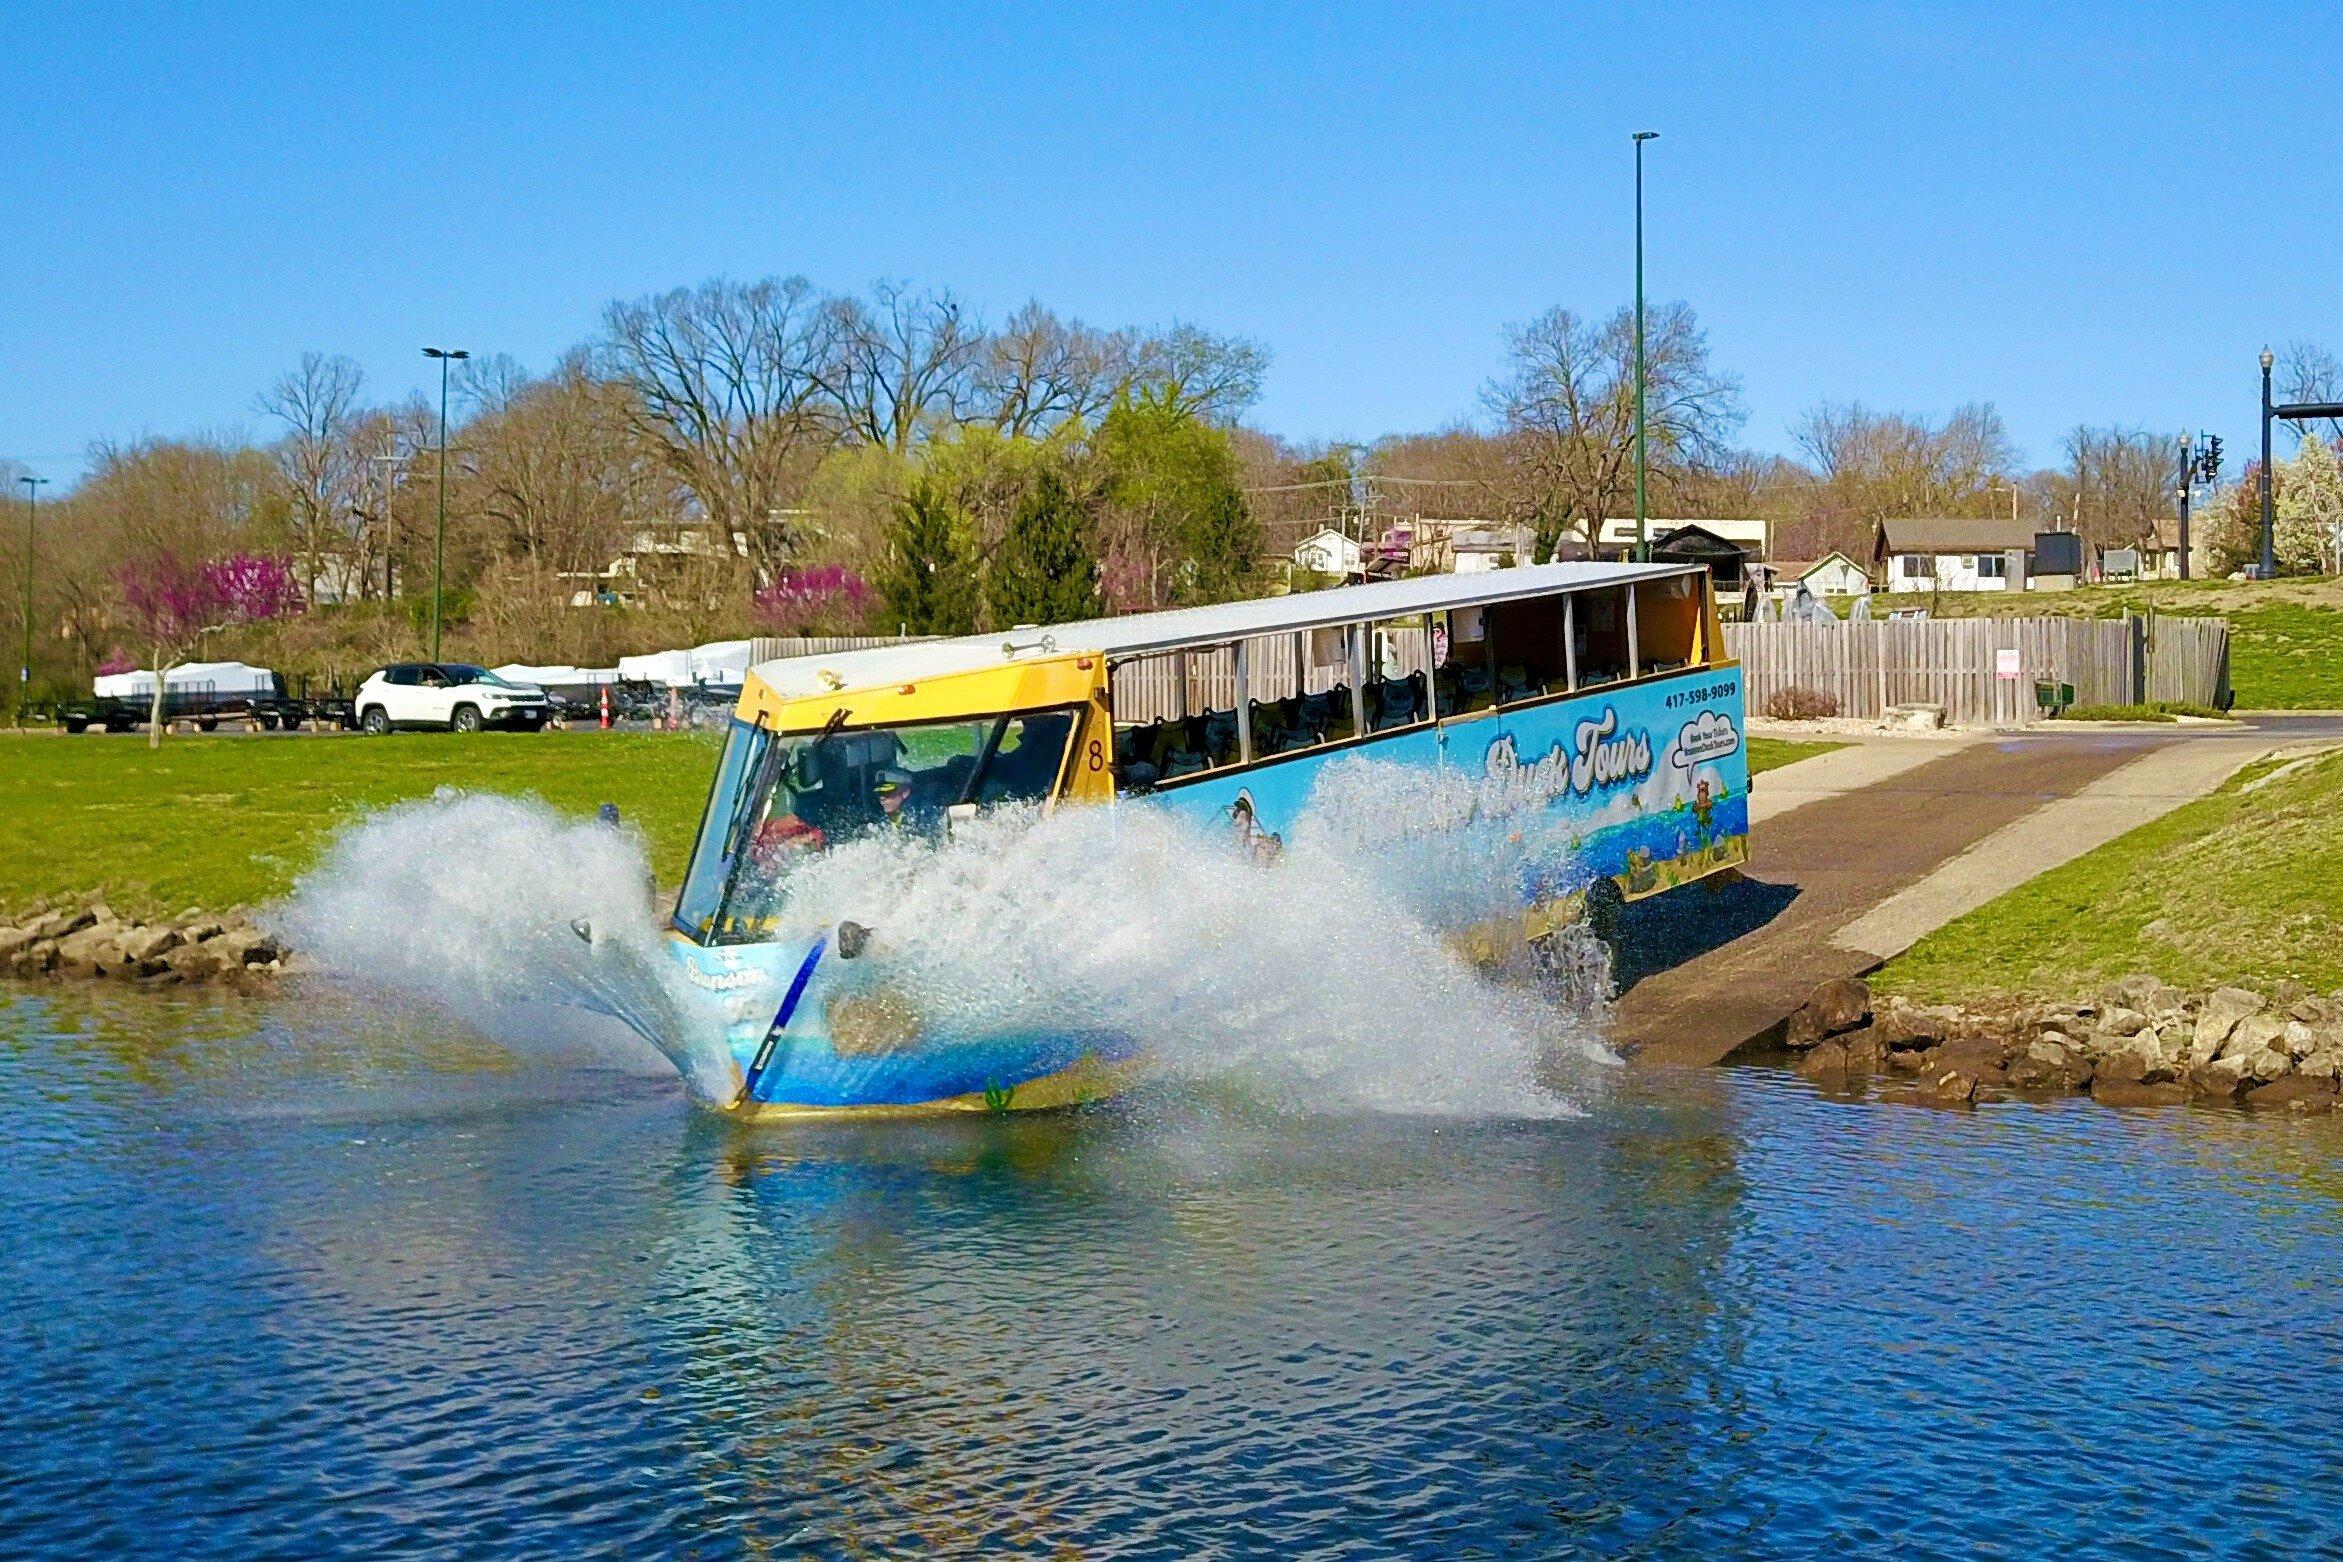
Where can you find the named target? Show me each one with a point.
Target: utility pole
(24, 667)
(387, 467)
(446, 356)
(1642, 541)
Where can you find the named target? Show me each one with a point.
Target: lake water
(294, 1280)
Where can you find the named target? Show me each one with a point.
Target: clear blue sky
(2081, 213)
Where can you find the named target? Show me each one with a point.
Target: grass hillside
(2243, 886)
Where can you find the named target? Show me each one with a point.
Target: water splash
(474, 903)
(1327, 980)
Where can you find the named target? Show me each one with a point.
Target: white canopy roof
(556, 677)
(1137, 634)
(215, 677)
(719, 661)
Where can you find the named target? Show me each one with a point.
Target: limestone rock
(1902, 1025)
(244, 946)
(148, 945)
(2254, 1033)
(2219, 1076)
(2108, 1092)
(195, 962)
(58, 924)
(2140, 991)
(2311, 1009)
(2121, 1021)
(2220, 1015)
(1948, 1086)
(2261, 1067)
(2300, 1039)
(2321, 1064)
(1825, 1061)
(2295, 1092)
(1983, 1058)
(14, 941)
(1841, 1004)
(1865, 1054)
(2053, 1062)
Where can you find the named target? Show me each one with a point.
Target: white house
(1328, 552)
(1951, 555)
(1832, 575)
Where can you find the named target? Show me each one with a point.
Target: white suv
(454, 695)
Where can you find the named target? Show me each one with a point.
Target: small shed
(1689, 543)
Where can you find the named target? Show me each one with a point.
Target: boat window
(1526, 649)
(712, 855)
(1599, 627)
(1667, 622)
(807, 792)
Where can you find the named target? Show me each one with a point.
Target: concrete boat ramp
(1858, 853)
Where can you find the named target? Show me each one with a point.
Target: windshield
(779, 800)
(462, 672)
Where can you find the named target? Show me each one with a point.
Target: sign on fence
(2005, 663)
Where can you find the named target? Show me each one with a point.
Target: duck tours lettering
(1599, 760)
(1606, 761)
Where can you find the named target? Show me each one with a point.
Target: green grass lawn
(2243, 886)
(1773, 753)
(224, 821)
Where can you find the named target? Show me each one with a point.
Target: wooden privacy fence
(1983, 671)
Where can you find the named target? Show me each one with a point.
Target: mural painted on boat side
(1647, 786)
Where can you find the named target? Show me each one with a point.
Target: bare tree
(2308, 372)
(1214, 377)
(2124, 482)
(1038, 372)
(1567, 408)
(900, 363)
(323, 469)
(725, 384)
(1880, 464)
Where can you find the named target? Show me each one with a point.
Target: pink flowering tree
(810, 600)
(173, 605)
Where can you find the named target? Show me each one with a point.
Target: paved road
(1708, 970)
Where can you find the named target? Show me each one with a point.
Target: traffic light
(2209, 462)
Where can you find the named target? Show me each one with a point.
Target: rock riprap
(2140, 1043)
(91, 941)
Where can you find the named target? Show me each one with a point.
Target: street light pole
(2269, 566)
(2188, 481)
(24, 666)
(1642, 542)
(446, 356)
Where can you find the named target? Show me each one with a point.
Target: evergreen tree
(929, 582)
(1046, 568)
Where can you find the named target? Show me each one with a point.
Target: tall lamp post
(2296, 412)
(1642, 542)
(2269, 564)
(446, 356)
(24, 666)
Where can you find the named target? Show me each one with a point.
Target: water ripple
(268, 1300)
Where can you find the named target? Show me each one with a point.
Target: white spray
(1324, 979)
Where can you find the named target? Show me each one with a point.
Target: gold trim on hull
(1090, 1080)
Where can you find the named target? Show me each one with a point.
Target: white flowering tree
(2307, 511)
